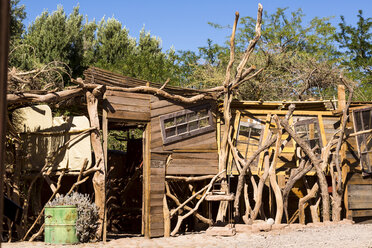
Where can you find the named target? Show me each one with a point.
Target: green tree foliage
(204, 69)
(297, 57)
(78, 44)
(143, 59)
(150, 62)
(17, 15)
(56, 37)
(283, 31)
(356, 45)
(114, 46)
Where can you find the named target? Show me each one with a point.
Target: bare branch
(232, 51)
(251, 45)
(165, 84)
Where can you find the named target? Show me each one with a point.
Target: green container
(60, 225)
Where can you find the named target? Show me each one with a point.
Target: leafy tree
(56, 37)
(117, 51)
(281, 31)
(68, 40)
(17, 15)
(113, 43)
(55, 45)
(356, 43)
(150, 62)
(297, 57)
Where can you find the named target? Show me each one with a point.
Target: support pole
(341, 97)
(99, 178)
(4, 49)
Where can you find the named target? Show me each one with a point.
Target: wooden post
(105, 133)
(99, 178)
(341, 97)
(146, 182)
(167, 223)
(4, 48)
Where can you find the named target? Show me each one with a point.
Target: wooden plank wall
(359, 196)
(127, 106)
(193, 156)
(157, 188)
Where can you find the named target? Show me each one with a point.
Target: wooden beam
(105, 143)
(360, 132)
(99, 178)
(146, 181)
(322, 130)
(284, 112)
(218, 134)
(341, 97)
(4, 49)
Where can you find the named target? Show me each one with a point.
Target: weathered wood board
(359, 196)
(184, 163)
(157, 187)
(127, 106)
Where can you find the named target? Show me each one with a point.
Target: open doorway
(124, 178)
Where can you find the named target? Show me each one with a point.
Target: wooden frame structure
(195, 156)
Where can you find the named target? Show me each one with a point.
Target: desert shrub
(87, 220)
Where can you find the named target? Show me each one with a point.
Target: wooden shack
(182, 142)
(179, 139)
(184, 139)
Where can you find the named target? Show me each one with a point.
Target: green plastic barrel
(60, 225)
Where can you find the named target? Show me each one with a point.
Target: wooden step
(229, 197)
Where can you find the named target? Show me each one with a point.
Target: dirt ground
(330, 235)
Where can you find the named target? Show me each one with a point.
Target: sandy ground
(332, 235)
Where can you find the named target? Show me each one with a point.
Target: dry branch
(48, 98)
(304, 200)
(181, 218)
(189, 179)
(296, 174)
(269, 141)
(178, 203)
(336, 176)
(272, 174)
(251, 45)
(154, 91)
(316, 162)
(74, 186)
(197, 193)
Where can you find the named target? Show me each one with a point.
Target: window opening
(309, 130)
(363, 122)
(186, 123)
(248, 139)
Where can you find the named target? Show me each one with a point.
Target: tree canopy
(356, 45)
(298, 57)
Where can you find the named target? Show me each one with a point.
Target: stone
(270, 221)
(347, 222)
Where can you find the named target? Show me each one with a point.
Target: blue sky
(184, 24)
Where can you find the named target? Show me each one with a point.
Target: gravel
(329, 235)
